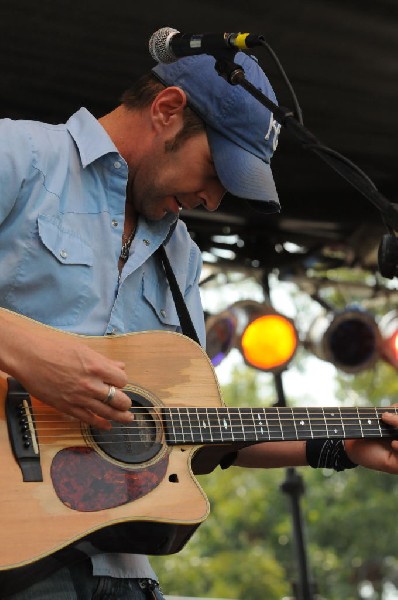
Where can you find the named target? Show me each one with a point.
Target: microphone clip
(228, 69)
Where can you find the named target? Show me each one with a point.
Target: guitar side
(37, 521)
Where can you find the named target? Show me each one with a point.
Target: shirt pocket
(158, 296)
(53, 280)
(66, 246)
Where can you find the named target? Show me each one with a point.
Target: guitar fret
(335, 429)
(360, 424)
(170, 420)
(342, 423)
(181, 425)
(206, 427)
(274, 425)
(242, 426)
(226, 426)
(185, 419)
(318, 423)
(232, 429)
(370, 424)
(286, 423)
(254, 424)
(238, 429)
(351, 423)
(266, 424)
(245, 427)
(302, 425)
(215, 424)
(309, 423)
(190, 424)
(220, 427)
(261, 429)
(279, 419)
(326, 423)
(380, 429)
(209, 424)
(198, 426)
(294, 424)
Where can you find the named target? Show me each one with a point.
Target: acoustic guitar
(68, 487)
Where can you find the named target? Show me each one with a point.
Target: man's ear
(167, 110)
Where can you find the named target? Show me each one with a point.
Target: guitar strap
(226, 458)
(187, 326)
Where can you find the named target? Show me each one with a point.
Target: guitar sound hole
(137, 442)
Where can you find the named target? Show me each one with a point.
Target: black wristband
(328, 454)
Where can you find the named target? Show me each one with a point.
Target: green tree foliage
(245, 549)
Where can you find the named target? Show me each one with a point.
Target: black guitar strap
(187, 326)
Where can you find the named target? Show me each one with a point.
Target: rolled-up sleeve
(15, 164)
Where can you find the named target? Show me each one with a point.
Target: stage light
(349, 339)
(220, 336)
(266, 339)
(388, 327)
(269, 339)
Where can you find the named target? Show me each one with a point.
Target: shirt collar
(90, 137)
(93, 142)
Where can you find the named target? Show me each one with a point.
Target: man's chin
(158, 217)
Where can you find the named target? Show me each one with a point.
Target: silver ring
(111, 395)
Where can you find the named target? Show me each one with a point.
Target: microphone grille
(159, 45)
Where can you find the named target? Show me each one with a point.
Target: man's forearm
(272, 454)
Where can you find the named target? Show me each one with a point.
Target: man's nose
(212, 196)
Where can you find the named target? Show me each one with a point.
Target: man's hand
(63, 372)
(381, 455)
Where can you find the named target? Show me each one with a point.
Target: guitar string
(175, 441)
(255, 417)
(267, 411)
(215, 424)
(178, 439)
(183, 429)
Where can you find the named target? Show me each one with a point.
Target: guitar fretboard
(186, 425)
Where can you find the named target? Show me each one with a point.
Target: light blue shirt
(61, 222)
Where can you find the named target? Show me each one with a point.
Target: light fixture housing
(349, 339)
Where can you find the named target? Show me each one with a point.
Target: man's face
(166, 180)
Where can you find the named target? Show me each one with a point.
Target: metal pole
(294, 487)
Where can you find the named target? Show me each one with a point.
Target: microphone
(168, 45)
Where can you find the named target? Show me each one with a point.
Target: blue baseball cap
(242, 133)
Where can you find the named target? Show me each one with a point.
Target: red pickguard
(84, 481)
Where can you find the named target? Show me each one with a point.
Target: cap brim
(241, 173)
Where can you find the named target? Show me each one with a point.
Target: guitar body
(68, 488)
(140, 496)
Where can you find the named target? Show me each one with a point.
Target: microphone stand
(293, 487)
(234, 74)
(388, 261)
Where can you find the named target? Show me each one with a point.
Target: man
(84, 208)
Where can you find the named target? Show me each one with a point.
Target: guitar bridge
(22, 431)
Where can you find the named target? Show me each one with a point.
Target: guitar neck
(195, 426)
